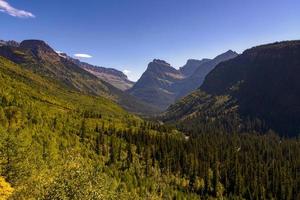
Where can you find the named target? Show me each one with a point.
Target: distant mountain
(39, 57)
(197, 76)
(161, 84)
(260, 88)
(191, 66)
(156, 84)
(9, 43)
(110, 75)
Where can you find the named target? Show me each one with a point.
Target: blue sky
(128, 34)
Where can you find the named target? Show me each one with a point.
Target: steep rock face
(264, 84)
(155, 85)
(161, 84)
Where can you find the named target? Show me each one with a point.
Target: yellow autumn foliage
(5, 189)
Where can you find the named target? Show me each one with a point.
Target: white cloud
(7, 8)
(82, 55)
(126, 72)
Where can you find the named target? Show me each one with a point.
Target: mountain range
(257, 90)
(68, 134)
(161, 84)
(40, 58)
(110, 75)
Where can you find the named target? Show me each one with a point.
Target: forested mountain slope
(40, 58)
(59, 143)
(261, 85)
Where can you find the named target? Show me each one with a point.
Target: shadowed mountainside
(261, 86)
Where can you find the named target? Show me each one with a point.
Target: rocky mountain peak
(160, 66)
(226, 56)
(160, 62)
(35, 45)
(40, 49)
